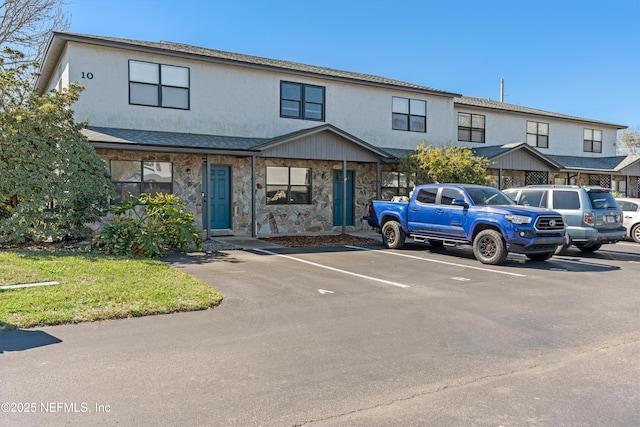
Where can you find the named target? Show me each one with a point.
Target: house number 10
(87, 75)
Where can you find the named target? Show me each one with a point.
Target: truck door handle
(439, 211)
(414, 209)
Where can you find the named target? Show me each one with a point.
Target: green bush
(146, 225)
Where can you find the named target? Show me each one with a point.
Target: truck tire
(393, 235)
(489, 247)
(589, 247)
(540, 257)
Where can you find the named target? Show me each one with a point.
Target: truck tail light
(370, 209)
(589, 218)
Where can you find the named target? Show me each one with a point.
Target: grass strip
(93, 287)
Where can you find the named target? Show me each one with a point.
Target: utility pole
(502, 94)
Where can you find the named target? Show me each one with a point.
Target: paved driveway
(352, 336)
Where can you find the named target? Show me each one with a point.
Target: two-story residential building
(259, 146)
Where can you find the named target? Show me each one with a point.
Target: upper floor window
(409, 114)
(288, 186)
(158, 85)
(538, 134)
(302, 101)
(592, 141)
(471, 127)
(132, 177)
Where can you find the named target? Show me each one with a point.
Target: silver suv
(591, 214)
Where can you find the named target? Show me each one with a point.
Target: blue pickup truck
(483, 217)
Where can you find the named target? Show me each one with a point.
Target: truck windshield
(483, 196)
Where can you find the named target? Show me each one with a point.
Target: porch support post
(499, 178)
(253, 196)
(344, 196)
(378, 181)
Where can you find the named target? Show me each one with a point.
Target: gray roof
(497, 105)
(58, 40)
(612, 163)
(172, 140)
(117, 138)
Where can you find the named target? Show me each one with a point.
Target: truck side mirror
(459, 202)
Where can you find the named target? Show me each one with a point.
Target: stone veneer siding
(270, 220)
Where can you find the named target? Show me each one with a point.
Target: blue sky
(576, 57)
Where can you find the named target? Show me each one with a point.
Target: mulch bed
(321, 240)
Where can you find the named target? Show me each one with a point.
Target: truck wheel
(589, 247)
(489, 247)
(635, 233)
(393, 235)
(540, 257)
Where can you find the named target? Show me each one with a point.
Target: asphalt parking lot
(355, 336)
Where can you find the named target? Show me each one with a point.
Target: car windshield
(602, 200)
(484, 196)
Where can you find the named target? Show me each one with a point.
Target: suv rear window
(602, 200)
(563, 199)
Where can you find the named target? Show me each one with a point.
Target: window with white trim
(158, 85)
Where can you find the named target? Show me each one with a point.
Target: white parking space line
(439, 262)
(362, 276)
(628, 244)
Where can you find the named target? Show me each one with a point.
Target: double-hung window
(592, 141)
(409, 114)
(471, 127)
(538, 134)
(288, 186)
(133, 177)
(158, 85)
(302, 101)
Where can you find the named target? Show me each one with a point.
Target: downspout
(253, 196)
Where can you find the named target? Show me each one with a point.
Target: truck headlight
(518, 219)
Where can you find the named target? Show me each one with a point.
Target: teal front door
(339, 198)
(220, 197)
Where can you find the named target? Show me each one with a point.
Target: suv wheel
(589, 247)
(489, 247)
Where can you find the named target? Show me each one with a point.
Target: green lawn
(92, 287)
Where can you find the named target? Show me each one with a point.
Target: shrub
(145, 225)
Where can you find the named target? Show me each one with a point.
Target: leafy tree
(145, 224)
(448, 164)
(53, 182)
(27, 24)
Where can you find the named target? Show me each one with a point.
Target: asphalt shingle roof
(171, 139)
(502, 106)
(248, 60)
